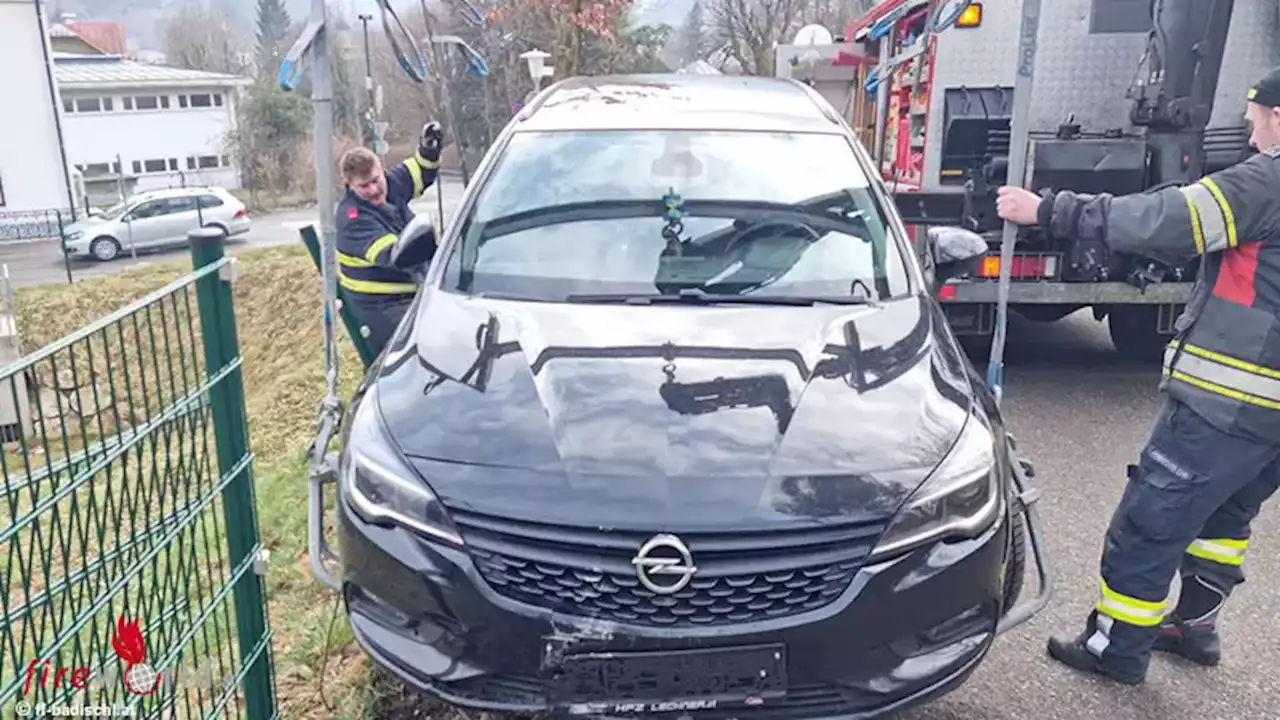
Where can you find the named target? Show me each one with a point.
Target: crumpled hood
(676, 415)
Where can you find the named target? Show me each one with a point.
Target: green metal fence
(129, 548)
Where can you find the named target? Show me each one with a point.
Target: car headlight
(76, 235)
(961, 497)
(382, 487)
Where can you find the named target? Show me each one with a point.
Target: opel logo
(664, 564)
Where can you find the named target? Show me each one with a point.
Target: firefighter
(373, 210)
(1211, 460)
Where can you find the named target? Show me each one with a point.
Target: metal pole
(882, 99)
(322, 99)
(370, 115)
(1018, 147)
(133, 248)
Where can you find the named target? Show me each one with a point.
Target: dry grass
(278, 305)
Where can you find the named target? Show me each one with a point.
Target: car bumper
(903, 631)
(238, 226)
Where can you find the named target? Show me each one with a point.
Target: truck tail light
(1027, 266)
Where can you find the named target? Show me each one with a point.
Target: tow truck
(1129, 96)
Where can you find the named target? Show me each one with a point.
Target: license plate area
(673, 680)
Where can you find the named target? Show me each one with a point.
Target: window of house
(202, 100)
(89, 104)
(68, 105)
(164, 102)
(154, 165)
(217, 99)
(105, 168)
(182, 101)
(207, 161)
(146, 102)
(173, 163)
(128, 102)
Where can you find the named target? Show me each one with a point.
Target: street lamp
(536, 59)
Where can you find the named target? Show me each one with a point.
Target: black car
(676, 426)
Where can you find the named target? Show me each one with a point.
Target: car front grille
(742, 576)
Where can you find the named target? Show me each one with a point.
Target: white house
(167, 126)
(33, 173)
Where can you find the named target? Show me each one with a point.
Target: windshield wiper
(696, 296)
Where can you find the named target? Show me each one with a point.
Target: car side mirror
(416, 246)
(952, 252)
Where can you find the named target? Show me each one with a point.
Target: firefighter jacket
(1224, 361)
(367, 232)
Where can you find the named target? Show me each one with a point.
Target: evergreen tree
(273, 28)
(693, 35)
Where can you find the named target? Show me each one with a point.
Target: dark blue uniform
(378, 293)
(1213, 457)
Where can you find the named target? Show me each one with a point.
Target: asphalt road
(40, 262)
(1081, 414)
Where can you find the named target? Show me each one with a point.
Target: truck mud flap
(1024, 501)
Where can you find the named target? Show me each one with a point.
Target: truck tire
(1134, 332)
(1016, 570)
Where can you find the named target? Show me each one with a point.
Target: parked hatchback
(155, 220)
(676, 425)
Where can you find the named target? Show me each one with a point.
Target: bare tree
(749, 29)
(206, 37)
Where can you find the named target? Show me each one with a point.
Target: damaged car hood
(719, 416)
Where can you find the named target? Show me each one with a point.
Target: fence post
(62, 242)
(221, 348)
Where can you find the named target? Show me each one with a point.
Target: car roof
(179, 192)
(673, 101)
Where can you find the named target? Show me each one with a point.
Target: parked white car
(153, 220)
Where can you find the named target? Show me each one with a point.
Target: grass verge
(321, 673)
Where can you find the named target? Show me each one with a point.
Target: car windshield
(649, 212)
(115, 211)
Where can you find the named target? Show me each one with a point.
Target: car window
(149, 209)
(186, 203)
(210, 201)
(761, 213)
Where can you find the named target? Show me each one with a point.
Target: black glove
(430, 141)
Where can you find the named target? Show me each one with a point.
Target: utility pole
(370, 127)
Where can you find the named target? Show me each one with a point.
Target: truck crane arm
(1185, 49)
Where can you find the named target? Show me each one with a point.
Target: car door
(145, 224)
(182, 218)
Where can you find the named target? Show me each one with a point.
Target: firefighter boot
(1087, 652)
(1191, 630)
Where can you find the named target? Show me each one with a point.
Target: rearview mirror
(416, 246)
(953, 252)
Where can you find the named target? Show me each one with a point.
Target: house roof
(110, 71)
(105, 35)
(58, 30)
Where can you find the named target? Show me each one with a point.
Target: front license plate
(648, 682)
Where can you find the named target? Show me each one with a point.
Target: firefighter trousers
(381, 316)
(1188, 506)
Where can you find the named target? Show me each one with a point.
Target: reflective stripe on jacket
(1225, 361)
(366, 233)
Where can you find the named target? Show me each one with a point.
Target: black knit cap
(1267, 91)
